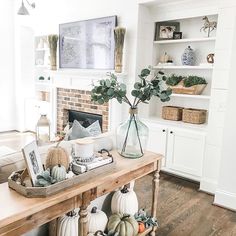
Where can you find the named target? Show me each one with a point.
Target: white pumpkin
(68, 225)
(97, 220)
(58, 173)
(124, 201)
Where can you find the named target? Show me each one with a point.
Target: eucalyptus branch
(128, 100)
(143, 91)
(134, 102)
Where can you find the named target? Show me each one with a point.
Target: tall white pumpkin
(97, 220)
(124, 201)
(68, 225)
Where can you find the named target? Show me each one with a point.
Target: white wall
(226, 187)
(224, 57)
(7, 91)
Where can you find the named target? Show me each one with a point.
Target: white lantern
(43, 130)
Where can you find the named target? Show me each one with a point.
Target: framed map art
(87, 44)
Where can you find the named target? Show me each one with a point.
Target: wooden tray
(31, 192)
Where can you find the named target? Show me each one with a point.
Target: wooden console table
(19, 214)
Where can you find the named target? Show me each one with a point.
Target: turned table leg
(155, 191)
(83, 213)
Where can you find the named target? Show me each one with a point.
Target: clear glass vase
(132, 136)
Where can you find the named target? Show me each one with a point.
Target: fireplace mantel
(80, 79)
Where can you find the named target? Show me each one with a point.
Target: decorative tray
(24, 186)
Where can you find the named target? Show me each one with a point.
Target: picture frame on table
(33, 161)
(177, 35)
(165, 30)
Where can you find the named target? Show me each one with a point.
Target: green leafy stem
(142, 92)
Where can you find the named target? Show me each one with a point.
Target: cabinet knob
(163, 130)
(171, 132)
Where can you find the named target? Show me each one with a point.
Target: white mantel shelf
(75, 78)
(83, 72)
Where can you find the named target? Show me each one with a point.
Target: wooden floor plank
(184, 211)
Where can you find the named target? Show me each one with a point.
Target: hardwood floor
(184, 211)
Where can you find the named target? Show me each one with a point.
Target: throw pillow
(78, 131)
(94, 129)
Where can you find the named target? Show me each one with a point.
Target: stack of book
(79, 167)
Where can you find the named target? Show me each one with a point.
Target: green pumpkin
(122, 225)
(58, 173)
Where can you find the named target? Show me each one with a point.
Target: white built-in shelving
(174, 48)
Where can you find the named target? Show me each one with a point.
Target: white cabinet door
(157, 139)
(185, 151)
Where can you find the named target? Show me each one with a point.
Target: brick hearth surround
(79, 100)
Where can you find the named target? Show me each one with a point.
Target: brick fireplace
(78, 100)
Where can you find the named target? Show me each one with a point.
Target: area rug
(4, 150)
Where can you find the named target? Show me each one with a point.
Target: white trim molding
(225, 199)
(208, 185)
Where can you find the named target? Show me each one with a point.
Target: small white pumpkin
(58, 173)
(124, 201)
(68, 224)
(97, 220)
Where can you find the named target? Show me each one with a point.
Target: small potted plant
(132, 135)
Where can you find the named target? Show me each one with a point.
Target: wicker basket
(194, 116)
(193, 90)
(172, 113)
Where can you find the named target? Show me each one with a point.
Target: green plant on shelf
(174, 79)
(193, 80)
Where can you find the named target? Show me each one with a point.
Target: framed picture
(33, 161)
(177, 35)
(165, 30)
(88, 44)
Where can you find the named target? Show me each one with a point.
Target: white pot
(84, 148)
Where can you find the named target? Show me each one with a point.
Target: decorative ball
(97, 220)
(124, 201)
(122, 225)
(210, 58)
(58, 173)
(57, 155)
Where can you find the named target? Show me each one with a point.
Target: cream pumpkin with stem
(68, 224)
(124, 201)
(97, 220)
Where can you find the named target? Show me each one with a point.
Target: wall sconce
(23, 10)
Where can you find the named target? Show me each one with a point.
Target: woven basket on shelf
(194, 116)
(172, 113)
(193, 90)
